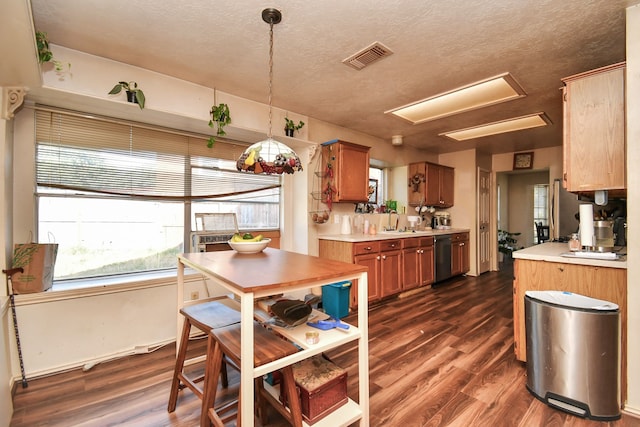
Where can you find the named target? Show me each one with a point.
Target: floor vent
(368, 55)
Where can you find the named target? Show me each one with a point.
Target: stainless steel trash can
(573, 353)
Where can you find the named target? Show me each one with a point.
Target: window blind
(98, 155)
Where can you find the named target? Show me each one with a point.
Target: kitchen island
(549, 266)
(271, 272)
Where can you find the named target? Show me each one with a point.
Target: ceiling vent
(368, 56)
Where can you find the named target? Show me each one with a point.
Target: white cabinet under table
(271, 272)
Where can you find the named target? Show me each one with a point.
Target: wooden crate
(321, 385)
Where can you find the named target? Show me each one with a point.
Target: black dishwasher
(442, 257)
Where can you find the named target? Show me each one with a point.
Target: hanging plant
(133, 93)
(45, 55)
(220, 117)
(290, 127)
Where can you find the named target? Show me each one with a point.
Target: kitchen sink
(407, 233)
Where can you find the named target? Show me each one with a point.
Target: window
(115, 195)
(376, 180)
(540, 207)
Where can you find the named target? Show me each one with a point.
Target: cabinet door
(427, 270)
(594, 130)
(349, 176)
(460, 262)
(390, 274)
(432, 192)
(446, 186)
(372, 262)
(417, 177)
(411, 268)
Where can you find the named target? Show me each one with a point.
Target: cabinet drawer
(410, 243)
(426, 241)
(390, 245)
(363, 248)
(458, 237)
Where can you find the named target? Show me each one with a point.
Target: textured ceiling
(438, 45)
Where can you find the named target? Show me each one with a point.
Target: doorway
(515, 203)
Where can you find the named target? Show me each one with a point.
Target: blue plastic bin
(335, 299)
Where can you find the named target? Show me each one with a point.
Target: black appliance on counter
(620, 231)
(442, 257)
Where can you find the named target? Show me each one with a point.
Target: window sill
(73, 289)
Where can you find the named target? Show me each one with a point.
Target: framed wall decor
(523, 160)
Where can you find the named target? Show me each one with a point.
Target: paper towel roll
(587, 234)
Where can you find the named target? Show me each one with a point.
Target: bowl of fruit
(247, 243)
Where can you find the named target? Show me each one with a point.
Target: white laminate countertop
(389, 235)
(553, 252)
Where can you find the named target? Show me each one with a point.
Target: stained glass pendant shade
(269, 156)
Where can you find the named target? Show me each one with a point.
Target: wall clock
(523, 160)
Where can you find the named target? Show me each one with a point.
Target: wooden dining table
(274, 272)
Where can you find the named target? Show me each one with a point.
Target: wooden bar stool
(204, 316)
(225, 342)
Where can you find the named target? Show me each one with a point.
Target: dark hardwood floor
(442, 357)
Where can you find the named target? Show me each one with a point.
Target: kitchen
(462, 213)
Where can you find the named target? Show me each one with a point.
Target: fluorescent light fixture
(503, 126)
(476, 95)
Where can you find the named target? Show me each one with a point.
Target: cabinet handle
(378, 257)
(384, 257)
(368, 248)
(462, 244)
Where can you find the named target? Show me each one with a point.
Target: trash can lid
(570, 299)
(343, 284)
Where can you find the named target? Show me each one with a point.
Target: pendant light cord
(269, 135)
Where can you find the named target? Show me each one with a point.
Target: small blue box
(335, 299)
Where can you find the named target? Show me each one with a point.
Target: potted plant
(220, 117)
(506, 243)
(134, 94)
(290, 127)
(45, 54)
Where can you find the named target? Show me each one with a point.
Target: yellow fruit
(250, 160)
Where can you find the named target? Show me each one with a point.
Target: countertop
(553, 252)
(389, 235)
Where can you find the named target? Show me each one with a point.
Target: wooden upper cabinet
(594, 130)
(431, 184)
(350, 171)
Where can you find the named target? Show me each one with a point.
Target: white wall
(464, 210)
(633, 207)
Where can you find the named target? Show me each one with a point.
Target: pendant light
(269, 156)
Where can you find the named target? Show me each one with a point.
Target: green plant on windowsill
(220, 117)
(134, 94)
(290, 127)
(45, 55)
(507, 242)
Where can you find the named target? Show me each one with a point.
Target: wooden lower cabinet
(460, 262)
(417, 262)
(383, 260)
(609, 284)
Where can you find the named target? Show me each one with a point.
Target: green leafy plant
(133, 93)
(45, 55)
(507, 241)
(220, 117)
(290, 124)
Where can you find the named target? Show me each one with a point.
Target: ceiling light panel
(492, 91)
(503, 126)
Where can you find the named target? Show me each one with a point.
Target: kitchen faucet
(389, 227)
